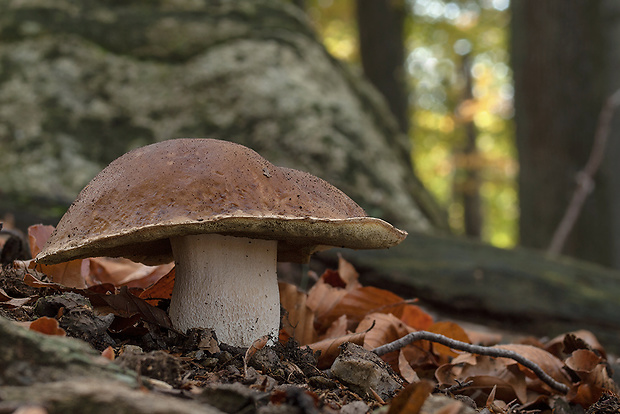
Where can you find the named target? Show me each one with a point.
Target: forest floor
(135, 362)
(189, 367)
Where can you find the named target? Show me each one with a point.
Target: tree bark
(565, 64)
(470, 186)
(382, 50)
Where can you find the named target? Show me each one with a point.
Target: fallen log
(518, 289)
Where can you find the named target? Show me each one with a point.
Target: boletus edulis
(225, 215)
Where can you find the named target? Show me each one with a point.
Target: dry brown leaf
(337, 329)
(594, 377)
(93, 271)
(70, 274)
(126, 305)
(299, 321)
(6, 301)
(13, 303)
(386, 328)
(485, 372)
(331, 287)
(209, 344)
(121, 271)
(451, 330)
(47, 326)
(330, 348)
(110, 270)
(411, 398)
(108, 353)
(546, 361)
(584, 394)
(105, 299)
(415, 317)
(322, 297)
(37, 237)
(348, 274)
(588, 340)
(32, 281)
(357, 303)
(405, 369)
(389, 328)
(252, 349)
(332, 278)
(418, 355)
(491, 397)
(583, 361)
(160, 290)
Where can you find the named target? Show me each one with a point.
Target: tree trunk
(382, 49)
(470, 186)
(78, 90)
(565, 61)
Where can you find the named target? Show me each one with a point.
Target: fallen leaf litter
(337, 322)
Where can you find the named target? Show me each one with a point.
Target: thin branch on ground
(456, 387)
(585, 177)
(474, 349)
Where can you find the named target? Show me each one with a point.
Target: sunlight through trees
(447, 43)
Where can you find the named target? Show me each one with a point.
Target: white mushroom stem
(228, 284)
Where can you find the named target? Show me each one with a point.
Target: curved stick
(474, 349)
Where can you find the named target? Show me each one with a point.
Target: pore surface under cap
(195, 186)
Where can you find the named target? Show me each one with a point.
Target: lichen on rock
(82, 83)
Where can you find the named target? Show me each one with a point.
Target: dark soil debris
(278, 378)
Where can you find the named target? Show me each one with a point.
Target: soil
(191, 366)
(151, 368)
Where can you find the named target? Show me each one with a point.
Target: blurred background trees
(467, 114)
(443, 66)
(565, 56)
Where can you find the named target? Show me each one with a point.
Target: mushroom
(225, 215)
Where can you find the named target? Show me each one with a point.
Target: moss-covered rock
(83, 82)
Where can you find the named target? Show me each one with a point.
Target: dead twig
(585, 177)
(474, 349)
(456, 387)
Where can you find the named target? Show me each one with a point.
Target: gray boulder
(82, 82)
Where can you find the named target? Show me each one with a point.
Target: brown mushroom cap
(194, 186)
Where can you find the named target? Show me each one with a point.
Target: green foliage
(335, 23)
(440, 36)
